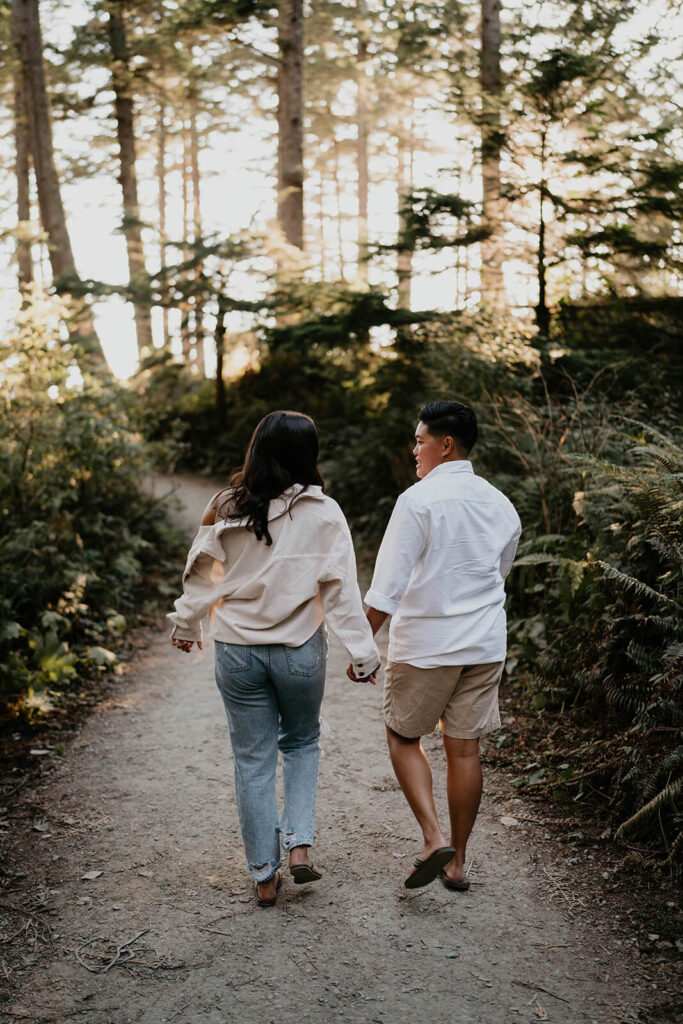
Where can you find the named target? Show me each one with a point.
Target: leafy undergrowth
(33, 738)
(86, 555)
(546, 762)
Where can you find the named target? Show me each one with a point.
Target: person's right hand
(186, 645)
(372, 678)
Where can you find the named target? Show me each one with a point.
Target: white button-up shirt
(440, 571)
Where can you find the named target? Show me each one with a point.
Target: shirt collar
(458, 466)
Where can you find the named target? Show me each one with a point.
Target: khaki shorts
(462, 699)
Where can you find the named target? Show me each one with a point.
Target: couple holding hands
(273, 561)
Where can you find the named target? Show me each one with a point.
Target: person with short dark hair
(273, 559)
(440, 573)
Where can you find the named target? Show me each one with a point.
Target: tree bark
(125, 130)
(22, 162)
(492, 284)
(362, 144)
(290, 122)
(26, 30)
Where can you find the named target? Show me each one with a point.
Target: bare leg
(464, 794)
(414, 775)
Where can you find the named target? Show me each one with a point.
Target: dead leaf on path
(90, 876)
(540, 1012)
(508, 821)
(146, 874)
(432, 943)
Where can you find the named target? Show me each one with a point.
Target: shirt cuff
(363, 669)
(381, 603)
(181, 632)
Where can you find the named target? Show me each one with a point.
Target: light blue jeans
(272, 696)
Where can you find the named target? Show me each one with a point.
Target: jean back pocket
(308, 659)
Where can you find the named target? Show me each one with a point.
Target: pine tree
(492, 284)
(29, 48)
(125, 129)
(290, 118)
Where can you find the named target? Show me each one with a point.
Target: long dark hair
(283, 451)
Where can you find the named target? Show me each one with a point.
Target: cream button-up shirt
(277, 594)
(440, 571)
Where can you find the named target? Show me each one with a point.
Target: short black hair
(451, 419)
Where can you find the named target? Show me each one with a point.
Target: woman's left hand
(186, 645)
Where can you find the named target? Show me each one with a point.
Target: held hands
(372, 678)
(186, 645)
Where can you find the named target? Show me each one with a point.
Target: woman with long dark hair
(273, 559)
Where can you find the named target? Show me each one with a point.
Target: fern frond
(630, 583)
(674, 651)
(668, 795)
(641, 657)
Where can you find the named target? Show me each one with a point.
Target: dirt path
(144, 799)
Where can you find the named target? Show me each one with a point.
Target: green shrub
(80, 553)
(612, 656)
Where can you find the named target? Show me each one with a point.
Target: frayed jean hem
(289, 838)
(262, 872)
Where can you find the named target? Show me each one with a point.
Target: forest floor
(126, 898)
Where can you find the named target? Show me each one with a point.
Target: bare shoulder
(209, 517)
(211, 511)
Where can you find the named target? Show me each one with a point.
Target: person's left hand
(186, 645)
(372, 678)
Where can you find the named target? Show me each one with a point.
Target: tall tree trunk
(123, 109)
(492, 286)
(186, 303)
(404, 180)
(336, 179)
(197, 236)
(362, 143)
(161, 205)
(458, 248)
(321, 224)
(542, 311)
(219, 340)
(290, 161)
(22, 151)
(26, 32)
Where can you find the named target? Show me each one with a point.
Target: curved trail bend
(144, 796)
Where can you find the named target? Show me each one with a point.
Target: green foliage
(79, 552)
(615, 655)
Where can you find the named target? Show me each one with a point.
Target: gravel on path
(143, 911)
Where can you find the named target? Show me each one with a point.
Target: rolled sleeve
(342, 605)
(374, 599)
(401, 547)
(197, 598)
